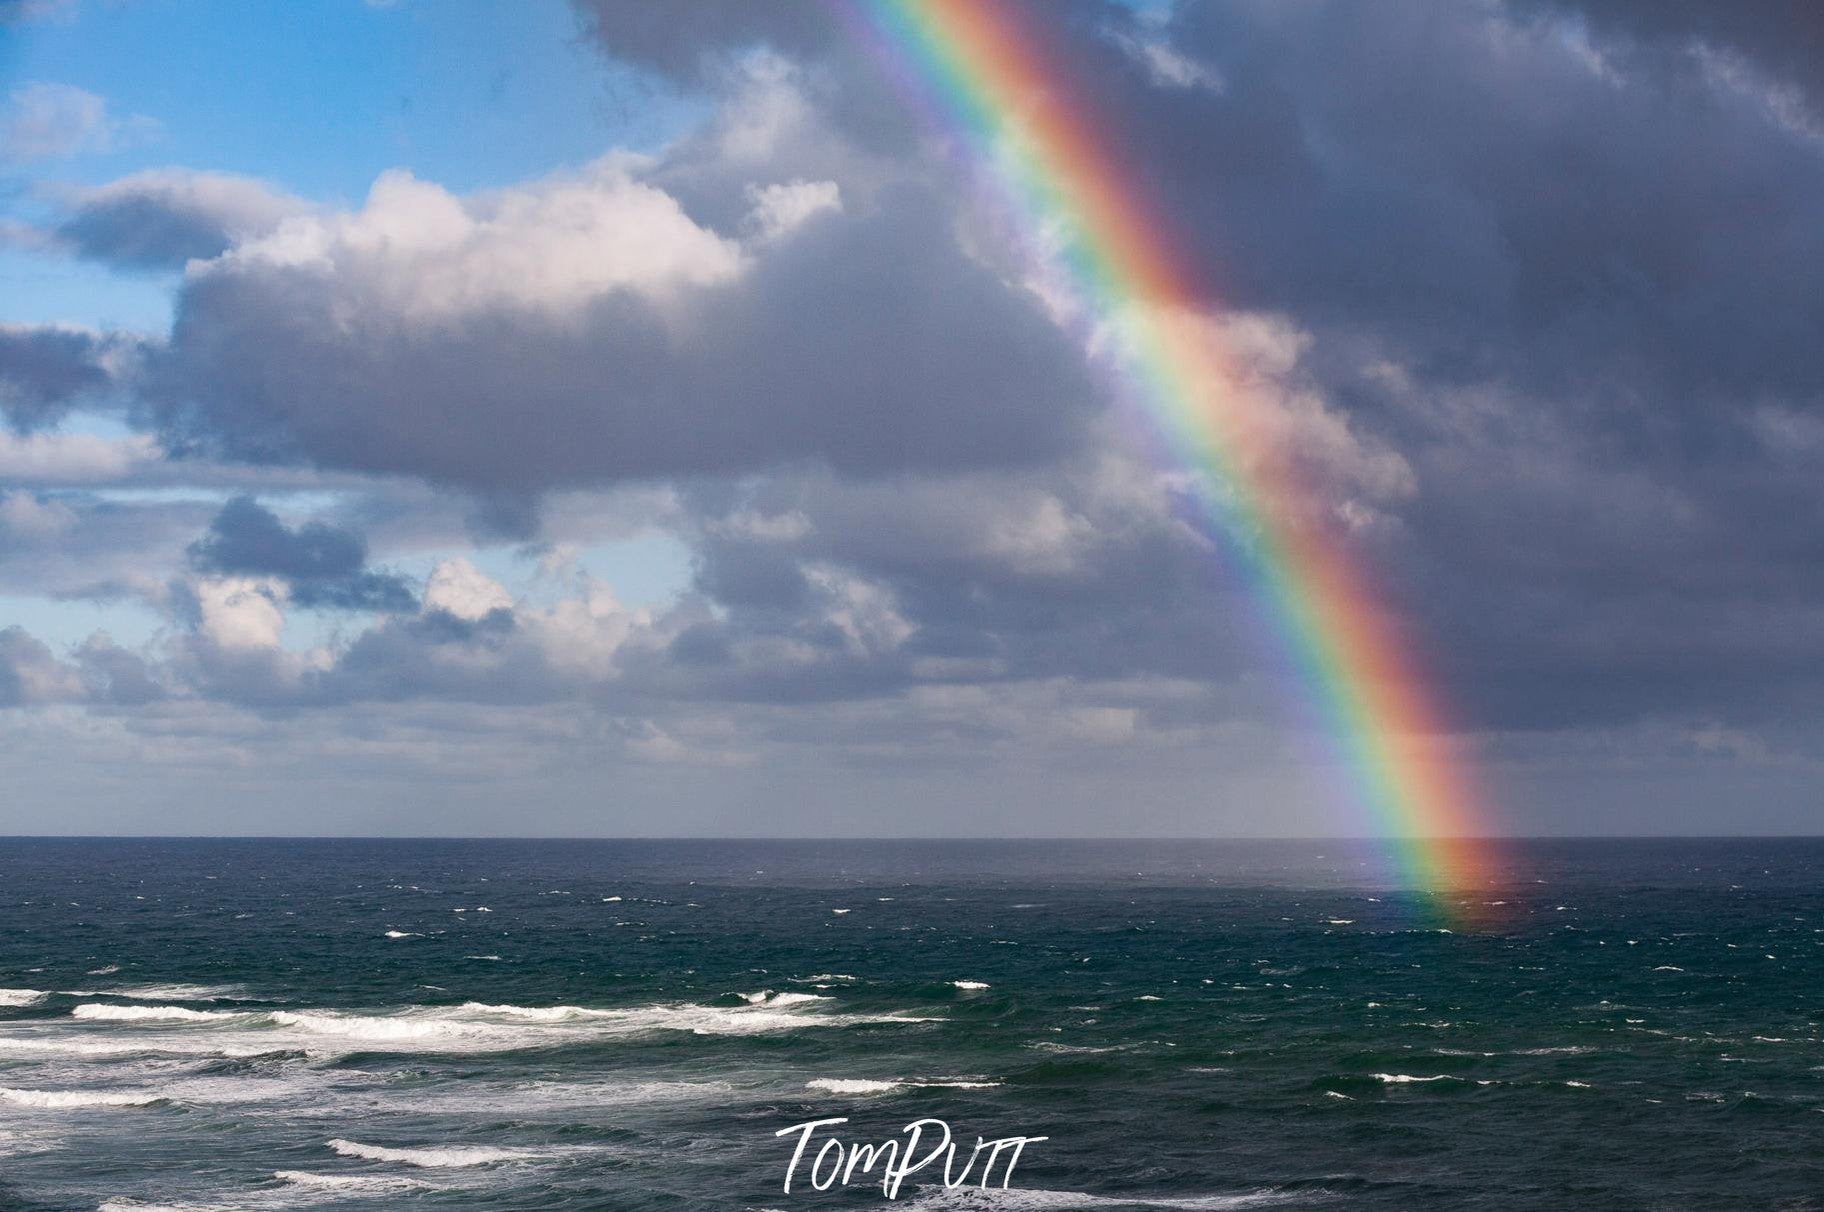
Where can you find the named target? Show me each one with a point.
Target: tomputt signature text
(838, 1161)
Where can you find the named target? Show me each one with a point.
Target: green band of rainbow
(984, 77)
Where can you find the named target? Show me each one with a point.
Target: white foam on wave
(350, 1183)
(766, 997)
(101, 1030)
(177, 992)
(62, 1045)
(970, 984)
(402, 934)
(477, 1026)
(1014, 1199)
(545, 1096)
(843, 1085)
(375, 1028)
(533, 1014)
(68, 1099)
(439, 1156)
(839, 1085)
(1403, 1078)
(96, 1011)
(22, 997)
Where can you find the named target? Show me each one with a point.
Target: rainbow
(981, 73)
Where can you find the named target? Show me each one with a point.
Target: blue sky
(319, 99)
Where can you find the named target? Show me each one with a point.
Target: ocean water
(627, 1025)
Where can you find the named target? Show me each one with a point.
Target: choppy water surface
(540, 1025)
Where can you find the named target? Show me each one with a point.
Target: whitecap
(839, 1085)
(766, 997)
(373, 1028)
(347, 1182)
(970, 984)
(61, 1099)
(536, 1014)
(1400, 1078)
(21, 997)
(436, 1156)
(402, 934)
(1013, 1199)
(156, 1014)
(179, 992)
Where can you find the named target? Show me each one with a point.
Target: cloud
(43, 120)
(30, 675)
(162, 218)
(320, 565)
(583, 330)
(688, 42)
(1783, 41)
(48, 370)
(459, 589)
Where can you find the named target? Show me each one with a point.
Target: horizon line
(1161, 837)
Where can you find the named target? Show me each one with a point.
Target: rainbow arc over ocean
(983, 74)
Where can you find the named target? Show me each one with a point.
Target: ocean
(252, 1024)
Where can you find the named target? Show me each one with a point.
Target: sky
(603, 418)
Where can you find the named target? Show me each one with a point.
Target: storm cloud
(322, 564)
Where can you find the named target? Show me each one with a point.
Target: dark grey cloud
(163, 218)
(685, 41)
(1574, 282)
(48, 370)
(868, 342)
(116, 676)
(1784, 39)
(324, 566)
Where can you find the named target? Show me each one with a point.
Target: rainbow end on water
(984, 75)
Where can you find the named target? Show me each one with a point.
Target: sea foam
(351, 1183)
(449, 1155)
(1015, 1199)
(97, 1011)
(60, 1099)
